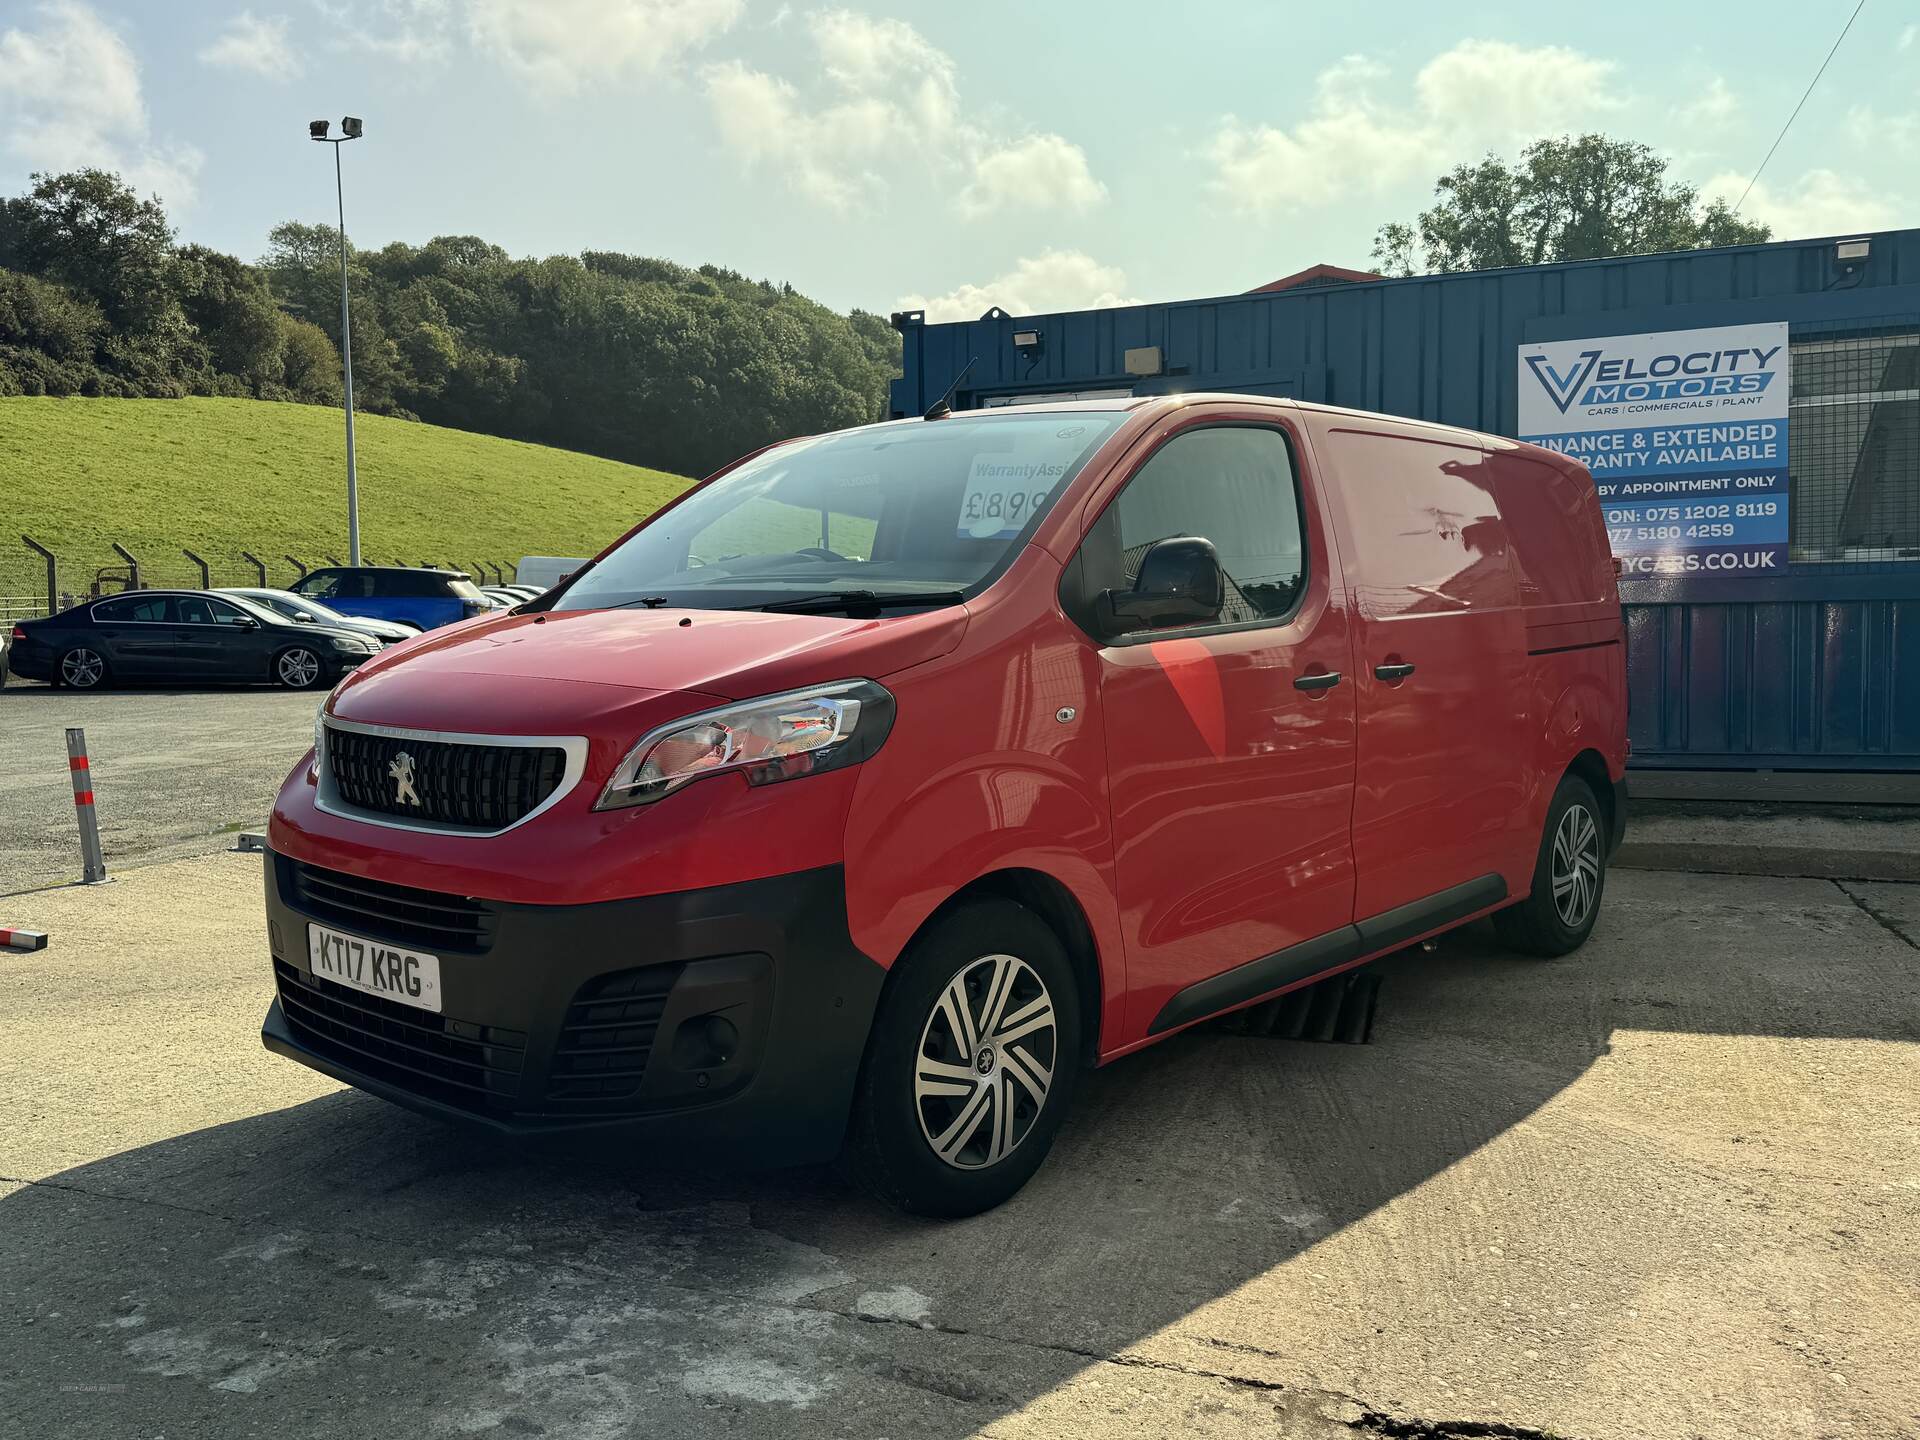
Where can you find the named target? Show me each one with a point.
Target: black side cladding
(1317, 956)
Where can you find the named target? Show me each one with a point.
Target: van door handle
(1393, 672)
(1323, 680)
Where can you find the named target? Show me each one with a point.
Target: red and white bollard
(22, 939)
(93, 863)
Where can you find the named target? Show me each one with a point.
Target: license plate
(405, 976)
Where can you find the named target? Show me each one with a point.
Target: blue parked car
(389, 592)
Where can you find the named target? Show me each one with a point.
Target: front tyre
(1569, 877)
(971, 1065)
(298, 668)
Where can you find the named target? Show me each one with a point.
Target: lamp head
(317, 129)
(351, 127)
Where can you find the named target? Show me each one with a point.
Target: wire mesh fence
(1854, 446)
(24, 589)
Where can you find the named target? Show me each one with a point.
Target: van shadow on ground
(341, 1267)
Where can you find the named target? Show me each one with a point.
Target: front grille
(460, 1063)
(426, 919)
(608, 1036)
(476, 787)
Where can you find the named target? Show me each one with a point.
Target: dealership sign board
(1685, 432)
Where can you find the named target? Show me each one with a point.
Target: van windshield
(917, 513)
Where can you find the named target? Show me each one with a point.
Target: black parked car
(182, 635)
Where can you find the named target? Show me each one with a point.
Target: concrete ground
(1667, 1187)
(174, 772)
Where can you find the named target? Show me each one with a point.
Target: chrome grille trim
(328, 797)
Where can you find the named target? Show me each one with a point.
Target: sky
(1035, 154)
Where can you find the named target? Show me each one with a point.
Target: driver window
(225, 614)
(1231, 485)
(194, 610)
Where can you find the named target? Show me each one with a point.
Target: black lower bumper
(1619, 826)
(728, 1022)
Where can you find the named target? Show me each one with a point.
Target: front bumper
(727, 1022)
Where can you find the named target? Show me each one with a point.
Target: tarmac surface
(175, 772)
(1666, 1187)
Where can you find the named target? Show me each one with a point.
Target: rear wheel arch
(1591, 767)
(1060, 910)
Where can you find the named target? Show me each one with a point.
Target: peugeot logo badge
(401, 769)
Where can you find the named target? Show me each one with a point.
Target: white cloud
(70, 97)
(1907, 37)
(887, 89)
(1821, 202)
(561, 46)
(879, 89)
(1038, 173)
(412, 32)
(1873, 130)
(1355, 141)
(1041, 284)
(253, 44)
(1714, 108)
(1499, 91)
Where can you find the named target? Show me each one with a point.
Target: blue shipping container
(1815, 668)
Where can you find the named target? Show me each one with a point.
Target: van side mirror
(1179, 583)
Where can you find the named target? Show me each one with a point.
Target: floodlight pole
(346, 338)
(346, 365)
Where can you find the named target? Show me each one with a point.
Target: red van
(875, 787)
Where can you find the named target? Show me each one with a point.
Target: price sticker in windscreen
(1002, 493)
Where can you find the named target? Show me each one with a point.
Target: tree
(87, 230)
(47, 338)
(233, 312)
(310, 366)
(1571, 198)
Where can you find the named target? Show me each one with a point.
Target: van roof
(1195, 397)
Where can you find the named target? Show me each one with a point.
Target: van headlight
(779, 737)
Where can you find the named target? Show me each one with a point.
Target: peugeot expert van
(873, 789)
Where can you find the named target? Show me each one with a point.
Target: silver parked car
(312, 612)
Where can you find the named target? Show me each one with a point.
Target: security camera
(351, 127)
(317, 129)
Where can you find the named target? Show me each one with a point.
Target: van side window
(1232, 485)
(1424, 522)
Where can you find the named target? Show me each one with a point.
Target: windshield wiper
(855, 600)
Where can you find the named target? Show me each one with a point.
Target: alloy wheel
(82, 669)
(986, 1062)
(299, 669)
(1576, 865)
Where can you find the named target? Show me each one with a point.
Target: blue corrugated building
(1812, 668)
